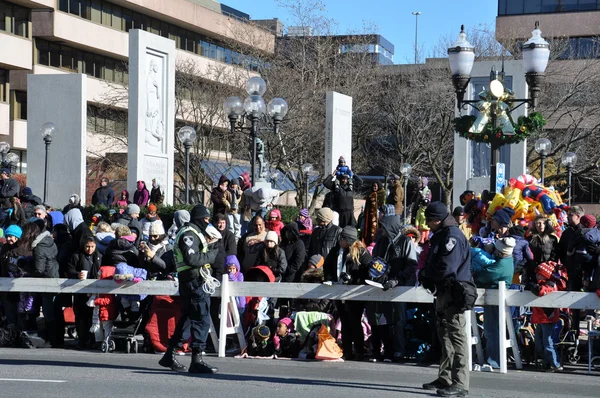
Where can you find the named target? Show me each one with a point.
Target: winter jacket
(103, 196)
(15, 216)
(397, 251)
(146, 223)
(566, 244)
(275, 225)
(287, 346)
(448, 254)
(358, 271)
(235, 199)
(15, 262)
(195, 256)
(162, 263)
(44, 254)
(106, 303)
(491, 274)
(28, 202)
(396, 197)
(543, 247)
(133, 224)
(480, 259)
(9, 188)
(542, 315)
(275, 260)
(343, 195)
(295, 252)
(323, 239)
(123, 202)
(236, 277)
(157, 196)
(221, 199)
(522, 254)
(121, 251)
(103, 239)
(141, 197)
(81, 262)
(247, 253)
(312, 275)
(133, 274)
(228, 240)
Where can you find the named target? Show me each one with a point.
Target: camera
(345, 278)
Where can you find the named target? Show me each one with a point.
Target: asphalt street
(67, 373)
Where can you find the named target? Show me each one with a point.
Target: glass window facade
(517, 7)
(78, 61)
(18, 105)
(578, 48)
(106, 120)
(3, 85)
(124, 19)
(14, 19)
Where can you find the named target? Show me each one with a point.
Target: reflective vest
(178, 254)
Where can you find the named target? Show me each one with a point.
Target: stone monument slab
(151, 111)
(338, 130)
(62, 100)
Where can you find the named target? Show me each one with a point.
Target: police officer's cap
(436, 211)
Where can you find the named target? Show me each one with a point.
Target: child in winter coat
(260, 343)
(105, 310)
(305, 224)
(285, 341)
(342, 169)
(233, 210)
(274, 222)
(420, 221)
(232, 267)
(545, 319)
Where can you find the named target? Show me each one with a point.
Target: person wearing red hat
(545, 319)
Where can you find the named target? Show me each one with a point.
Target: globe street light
(543, 147)
(569, 160)
(187, 136)
(536, 52)
(405, 170)
(48, 130)
(307, 168)
(254, 109)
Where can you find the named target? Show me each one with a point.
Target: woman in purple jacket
(141, 195)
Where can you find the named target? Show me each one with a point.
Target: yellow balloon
(498, 202)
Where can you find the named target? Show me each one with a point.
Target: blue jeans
(491, 329)
(544, 343)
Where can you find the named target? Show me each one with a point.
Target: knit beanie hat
(272, 236)
(287, 322)
(436, 211)
(152, 207)
(27, 191)
(545, 269)
(325, 215)
(505, 245)
(304, 212)
(132, 209)
(13, 230)
(199, 212)
(74, 199)
(503, 216)
(316, 261)
(458, 211)
(6, 171)
(157, 228)
(350, 234)
(261, 333)
(588, 221)
(213, 233)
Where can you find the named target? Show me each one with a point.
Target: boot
(169, 360)
(198, 365)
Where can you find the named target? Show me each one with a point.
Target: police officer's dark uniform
(449, 260)
(192, 252)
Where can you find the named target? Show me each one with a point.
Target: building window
(14, 19)
(78, 61)
(18, 105)
(106, 121)
(3, 85)
(516, 7)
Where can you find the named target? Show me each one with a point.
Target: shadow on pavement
(44, 362)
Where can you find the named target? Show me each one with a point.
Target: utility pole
(416, 14)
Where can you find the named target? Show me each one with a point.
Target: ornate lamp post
(307, 168)
(536, 52)
(569, 160)
(405, 170)
(48, 130)
(187, 136)
(254, 109)
(543, 147)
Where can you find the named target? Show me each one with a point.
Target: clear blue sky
(394, 18)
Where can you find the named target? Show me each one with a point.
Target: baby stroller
(128, 329)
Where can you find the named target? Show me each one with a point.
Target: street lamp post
(254, 109)
(416, 14)
(536, 52)
(187, 136)
(569, 160)
(307, 168)
(48, 130)
(405, 170)
(543, 147)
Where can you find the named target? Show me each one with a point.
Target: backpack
(378, 270)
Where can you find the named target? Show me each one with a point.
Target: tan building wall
(575, 24)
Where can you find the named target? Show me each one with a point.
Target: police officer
(194, 254)
(448, 261)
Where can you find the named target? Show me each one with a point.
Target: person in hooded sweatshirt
(78, 229)
(141, 195)
(104, 235)
(274, 222)
(157, 194)
(295, 252)
(45, 266)
(123, 200)
(180, 217)
(104, 195)
(221, 197)
(397, 250)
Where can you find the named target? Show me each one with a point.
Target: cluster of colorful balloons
(526, 196)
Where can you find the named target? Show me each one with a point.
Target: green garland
(525, 126)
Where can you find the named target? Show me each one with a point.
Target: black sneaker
(435, 385)
(452, 392)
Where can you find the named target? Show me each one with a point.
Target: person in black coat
(88, 259)
(104, 195)
(29, 201)
(295, 252)
(343, 198)
(122, 249)
(156, 255)
(325, 235)
(228, 240)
